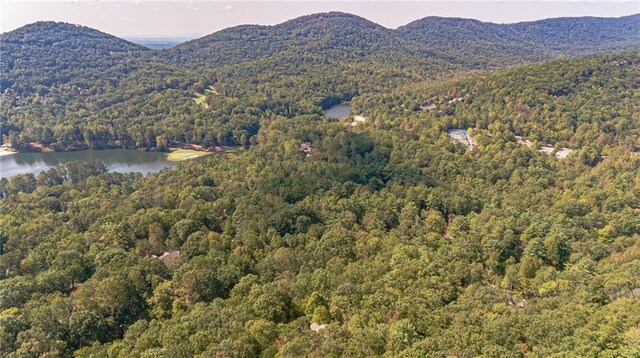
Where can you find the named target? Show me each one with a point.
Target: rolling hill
(332, 36)
(481, 44)
(49, 53)
(462, 41)
(46, 53)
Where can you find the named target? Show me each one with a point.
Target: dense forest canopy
(376, 235)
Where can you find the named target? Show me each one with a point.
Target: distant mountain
(55, 51)
(581, 34)
(481, 44)
(157, 43)
(333, 35)
(467, 42)
(46, 53)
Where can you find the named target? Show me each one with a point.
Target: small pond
(339, 111)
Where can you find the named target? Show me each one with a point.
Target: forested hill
(49, 53)
(333, 36)
(463, 41)
(481, 44)
(578, 103)
(46, 53)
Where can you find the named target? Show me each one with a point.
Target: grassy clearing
(179, 155)
(235, 149)
(200, 100)
(201, 97)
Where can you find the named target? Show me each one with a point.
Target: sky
(179, 18)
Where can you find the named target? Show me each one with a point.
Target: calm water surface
(116, 160)
(340, 111)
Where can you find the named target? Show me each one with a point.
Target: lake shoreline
(175, 147)
(36, 147)
(5, 152)
(117, 160)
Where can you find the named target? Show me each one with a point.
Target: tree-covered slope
(319, 37)
(480, 44)
(462, 41)
(71, 87)
(575, 103)
(45, 54)
(581, 35)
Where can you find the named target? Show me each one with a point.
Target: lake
(340, 111)
(116, 160)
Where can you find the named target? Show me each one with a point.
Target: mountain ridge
(462, 41)
(47, 52)
(468, 42)
(67, 29)
(521, 42)
(635, 17)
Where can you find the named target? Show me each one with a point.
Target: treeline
(72, 172)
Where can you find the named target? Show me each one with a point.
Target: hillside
(46, 54)
(467, 42)
(71, 87)
(480, 44)
(330, 36)
(572, 103)
(581, 35)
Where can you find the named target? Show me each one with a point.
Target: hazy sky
(197, 17)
